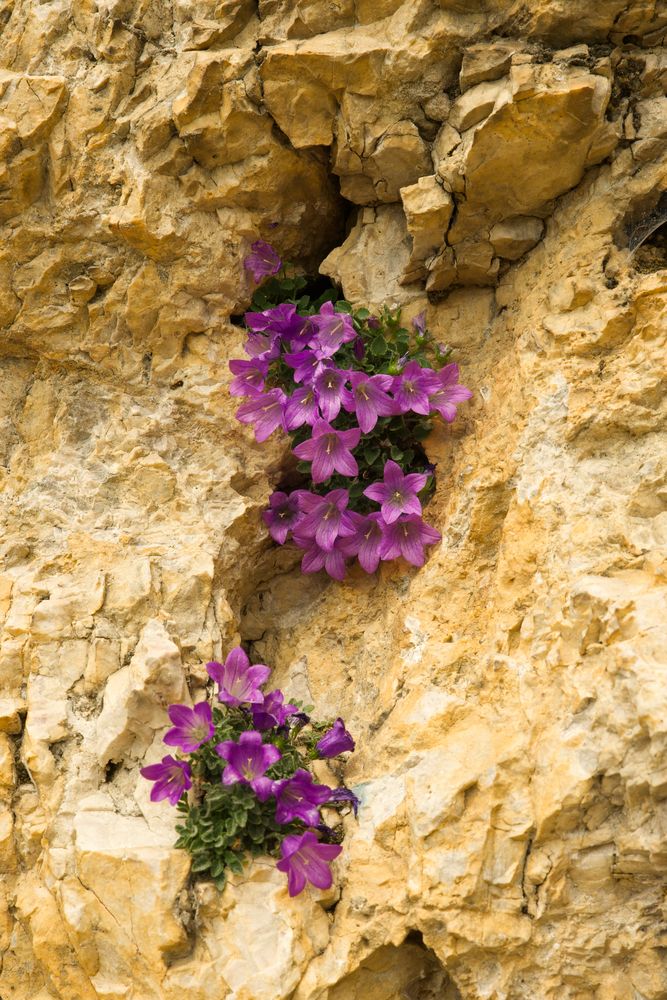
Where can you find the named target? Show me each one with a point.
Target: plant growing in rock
(357, 394)
(247, 787)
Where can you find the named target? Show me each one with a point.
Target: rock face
(499, 164)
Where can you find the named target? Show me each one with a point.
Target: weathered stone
(486, 61)
(136, 696)
(10, 719)
(475, 104)
(7, 772)
(428, 210)
(391, 158)
(371, 264)
(7, 850)
(513, 237)
(508, 699)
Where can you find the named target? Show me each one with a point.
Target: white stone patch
(418, 640)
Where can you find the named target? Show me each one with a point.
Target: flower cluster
(249, 778)
(357, 394)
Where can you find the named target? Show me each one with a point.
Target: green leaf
(362, 314)
(396, 453)
(200, 863)
(378, 346)
(371, 454)
(217, 868)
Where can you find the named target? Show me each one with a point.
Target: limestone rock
(475, 104)
(371, 264)
(136, 697)
(512, 237)
(428, 210)
(486, 61)
(507, 699)
(554, 116)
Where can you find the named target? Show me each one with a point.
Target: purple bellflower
(407, 537)
(398, 493)
(329, 385)
(172, 777)
(304, 859)
(366, 542)
(262, 261)
(250, 376)
(325, 518)
(283, 514)
(299, 797)
(248, 761)
(272, 712)
(329, 451)
(306, 366)
(264, 346)
(448, 392)
(368, 399)
(301, 408)
(412, 388)
(238, 682)
(419, 324)
(336, 740)
(333, 330)
(316, 558)
(281, 321)
(264, 412)
(192, 726)
(343, 794)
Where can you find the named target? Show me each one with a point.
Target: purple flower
(264, 412)
(343, 794)
(448, 392)
(262, 346)
(298, 797)
(301, 408)
(412, 388)
(301, 719)
(329, 450)
(172, 777)
(333, 329)
(330, 387)
(304, 859)
(262, 261)
(407, 537)
(366, 541)
(248, 761)
(368, 399)
(272, 712)
(316, 558)
(238, 681)
(281, 321)
(359, 348)
(250, 376)
(324, 518)
(283, 514)
(336, 740)
(419, 324)
(306, 366)
(398, 493)
(192, 726)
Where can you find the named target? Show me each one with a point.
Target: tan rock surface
(509, 700)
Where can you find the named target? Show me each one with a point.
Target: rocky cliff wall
(500, 163)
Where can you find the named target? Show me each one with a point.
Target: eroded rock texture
(501, 164)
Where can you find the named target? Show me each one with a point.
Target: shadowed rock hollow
(501, 165)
